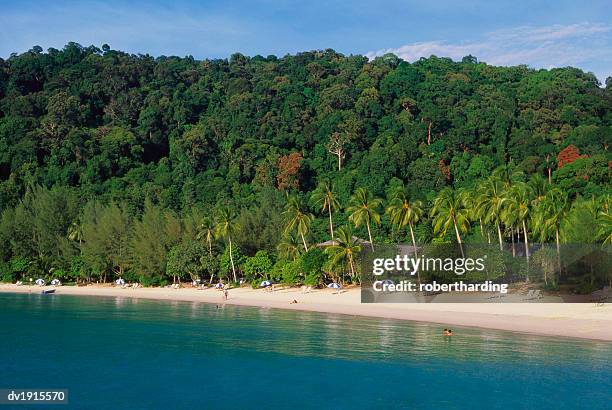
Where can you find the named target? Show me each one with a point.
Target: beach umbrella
(334, 285)
(386, 282)
(120, 281)
(219, 285)
(56, 282)
(40, 282)
(265, 284)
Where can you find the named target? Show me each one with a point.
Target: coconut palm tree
(75, 233)
(404, 212)
(325, 198)
(508, 175)
(344, 250)
(206, 232)
(549, 214)
(490, 201)
(604, 220)
(289, 247)
(449, 210)
(538, 187)
(517, 210)
(226, 227)
(363, 210)
(297, 218)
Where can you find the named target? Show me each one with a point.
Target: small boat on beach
(48, 291)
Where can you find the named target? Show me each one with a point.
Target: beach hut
(40, 282)
(56, 282)
(265, 284)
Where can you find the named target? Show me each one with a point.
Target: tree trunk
(415, 251)
(458, 237)
(558, 249)
(331, 225)
(512, 239)
(499, 234)
(304, 241)
(526, 241)
(232, 258)
(429, 134)
(209, 247)
(370, 235)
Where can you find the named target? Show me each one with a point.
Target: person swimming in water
(447, 332)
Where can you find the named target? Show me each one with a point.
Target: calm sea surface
(114, 353)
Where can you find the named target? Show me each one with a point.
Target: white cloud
(541, 47)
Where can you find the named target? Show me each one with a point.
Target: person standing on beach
(225, 294)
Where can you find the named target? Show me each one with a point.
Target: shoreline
(572, 320)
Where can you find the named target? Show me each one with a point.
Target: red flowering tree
(288, 171)
(568, 155)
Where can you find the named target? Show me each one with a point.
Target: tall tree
(325, 198)
(405, 212)
(449, 210)
(297, 218)
(491, 201)
(548, 217)
(345, 249)
(518, 208)
(206, 232)
(225, 228)
(363, 210)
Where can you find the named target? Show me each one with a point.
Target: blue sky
(537, 33)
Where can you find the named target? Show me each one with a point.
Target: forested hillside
(120, 164)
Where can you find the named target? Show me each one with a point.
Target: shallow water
(136, 353)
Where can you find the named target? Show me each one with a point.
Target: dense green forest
(155, 169)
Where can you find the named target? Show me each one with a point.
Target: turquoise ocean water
(116, 353)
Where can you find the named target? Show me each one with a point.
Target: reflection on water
(135, 353)
(317, 335)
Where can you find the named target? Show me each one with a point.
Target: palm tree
(325, 199)
(297, 218)
(289, 247)
(508, 175)
(363, 209)
(449, 210)
(549, 214)
(206, 231)
(538, 186)
(225, 228)
(490, 202)
(476, 212)
(403, 211)
(605, 220)
(345, 248)
(75, 233)
(518, 210)
(605, 227)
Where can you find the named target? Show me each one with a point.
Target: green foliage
(184, 261)
(115, 164)
(257, 266)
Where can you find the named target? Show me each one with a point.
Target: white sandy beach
(578, 320)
